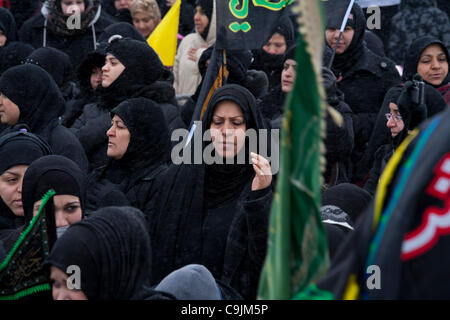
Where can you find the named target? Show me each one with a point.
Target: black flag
(247, 24)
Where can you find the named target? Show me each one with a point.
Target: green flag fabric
(297, 250)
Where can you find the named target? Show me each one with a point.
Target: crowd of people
(90, 112)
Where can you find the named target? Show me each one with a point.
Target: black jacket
(41, 104)
(77, 46)
(207, 214)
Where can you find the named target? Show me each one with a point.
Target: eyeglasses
(396, 117)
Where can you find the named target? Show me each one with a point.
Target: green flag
(297, 250)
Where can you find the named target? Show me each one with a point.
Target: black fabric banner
(247, 24)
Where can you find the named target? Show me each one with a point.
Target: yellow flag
(164, 38)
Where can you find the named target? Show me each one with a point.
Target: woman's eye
(12, 180)
(237, 123)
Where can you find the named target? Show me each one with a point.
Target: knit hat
(55, 62)
(138, 58)
(350, 198)
(21, 148)
(14, 54)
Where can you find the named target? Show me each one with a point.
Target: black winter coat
(364, 86)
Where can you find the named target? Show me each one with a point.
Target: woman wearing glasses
(397, 122)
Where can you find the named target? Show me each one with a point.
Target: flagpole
(344, 23)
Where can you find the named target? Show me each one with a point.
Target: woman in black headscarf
(31, 97)
(429, 57)
(400, 118)
(138, 151)
(56, 26)
(270, 57)
(58, 65)
(68, 181)
(217, 214)
(112, 250)
(362, 76)
(17, 151)
(132, 69)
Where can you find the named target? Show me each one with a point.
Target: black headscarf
(52, 172)
(36, 94)
(413, 57)
(55, 62)
(149, 136)
(19, 148)
(112, 249)
(335, 12)
(272, 64)
(142, 68)
(8, 25)
(14, 54)
(224, 182)
(124, 29)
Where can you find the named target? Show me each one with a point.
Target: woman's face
(69, 7)
(433, 65)
(332, 36)
(2, 38)
(288, 75)
(395, 122)
(276, 44)
(60, 291)
(228, 129)
(67, 209)
(96, 77)
(201, 20)
(119, 138)
(9, 111)
(11, 188)
(144, 23)
(122, 4)
(112, 69)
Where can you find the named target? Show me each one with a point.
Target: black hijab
(18, 148)
(13, 54)
(149, 145)
(55, 62)
(8, 25)
(335, 12)
(36, 94)
(112, 249)
(413, 57)
(142, 69)
(52, 172)
(224, 182)
(124, 29)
